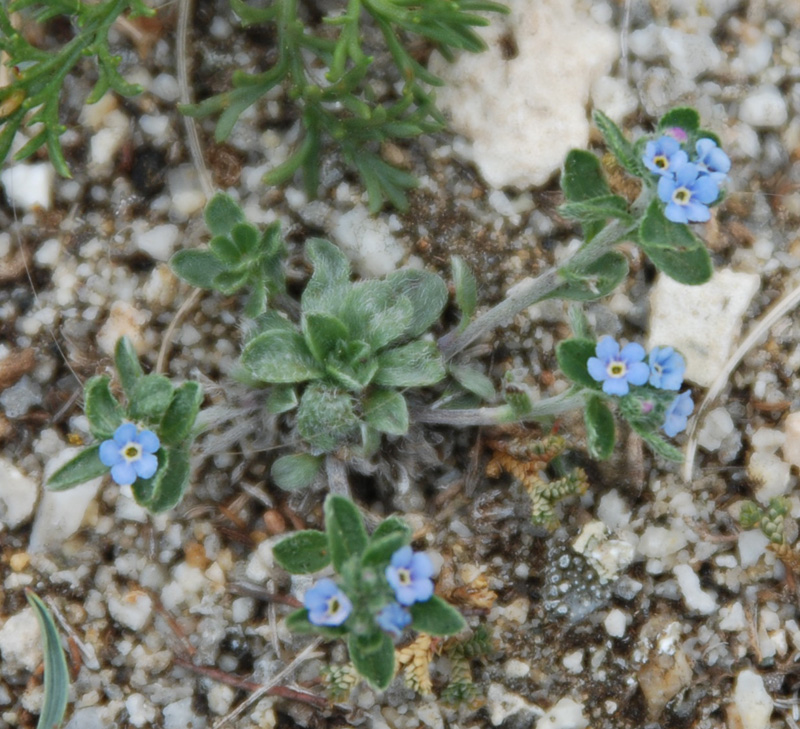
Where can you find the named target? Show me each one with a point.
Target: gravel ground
(647, 607)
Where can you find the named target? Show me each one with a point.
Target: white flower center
(333, 605)
(616, 369)
(661, 162)
(131, 451)
(404, 576)
(682, 195)
(657, 368)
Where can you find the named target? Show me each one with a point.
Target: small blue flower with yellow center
(618, 369)
(666, 368)
(664, 155)
(327, 604)
(409, 574)
(688, 193)
(130, 454)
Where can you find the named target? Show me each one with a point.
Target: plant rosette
(381, 588)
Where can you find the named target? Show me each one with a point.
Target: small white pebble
(573, 662)
(733, 618)
(29, 186)
(516, 669)
(615, 623)
(695, 597)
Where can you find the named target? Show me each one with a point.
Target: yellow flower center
(132, 452)
(661, 162)
(681, 196)
(616, 369)
(333, 606)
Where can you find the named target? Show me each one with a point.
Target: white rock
(140, 711)
(514, 668)
(502, 703)
(717, 426)
(179, 715)
(751, 545)
(367, 242)
(21, 642)
(658, 542)
(615, 623)
(29, 186)
(566, 714)
(165, 87)
(220, 698)
(132, 610)
(573, 662)
(702, 322)
(48, 253)
(18, 495)
(694, 596)
(60, 513)
(751, 700)
(614, 97)
(124, 320)
(523, 114)
(690, 54)
(185, 192)
(767, 440)
(107, 141)
(613, 510)
(733, 618)
(771, 473)
(791, 447)
(765, 108)
(157, 242)
(430, 715)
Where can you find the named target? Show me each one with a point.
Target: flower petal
(616, 386)
(705, 190)
(123, 474)
(632, 352)
(597, 370)
(607, 349)
(109, 453)
(402, 557)
(676, 213)
(149, 441)
(638, 373)
(421, 566)
(125, 434)
(697, 212)
(146, 465)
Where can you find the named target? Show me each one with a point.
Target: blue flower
(664, 155)
(678, 414)
(712, 160)
(130, 454)
(666, 368)
(615, 369)
(327, 604)
(393, 619)
(688, 194)
(409, 573)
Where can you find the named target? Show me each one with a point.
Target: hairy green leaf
(178, 420)
(427, 293)
(344, 526)
(280, 356)
(198, 268)
(105, 414)
(150, 398)
(466, 288)
(84, 467)
(386, 411)
(295, 471)
(436, 617)
(221, 214)
(326, 417)
(572, 355)
(620, 147)
(127, 365)
(600, 434)
(303, 552)
(376, 665)
(416, 364)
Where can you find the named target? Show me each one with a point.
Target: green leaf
(322, 333)
(226, 251)
(103, 411)
(582, 177)
(416, 364)
(572, 355)
(466, 288)
(282, 399)
(658, 445)
(376, 665)
(682, 116)
(436, 617)
(229, 282)
(165, 489)
(376, 314)
(222, 213)
(621, 148)
(303, 553)
(386, 411)
(427, 293)
(150, 398)
(599, 429)
(473, 380)
(245, 237)
(326, 417)
(379, 551)
(280, 356)
(298, 622)
(84, 467)
(579, 323)
(327, 287)
(198, 268)
(295, 471)
(257, 301)
(56, 674)
(127, 364)
(392, 525)
(673, 248)
(344, 526)
(597, 209)
(178, 420)
(594, 281)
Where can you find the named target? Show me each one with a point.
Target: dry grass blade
(783, 307)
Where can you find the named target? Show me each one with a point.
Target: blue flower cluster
(687, 186)
(409, 574)
(619, 368)
(130, 454)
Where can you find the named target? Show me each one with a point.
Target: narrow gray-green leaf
(178, 420)
(280, 356)
(416, 364)
(295, 471)
(345, 529)
(427, 294)
(466, 287)
(304, 552)
(84, 467)
(222, 213)
(386, 411)
(473, 380)
(599, 429)
(127, 364)
(198, 268)
(102, 410)
(56, 675)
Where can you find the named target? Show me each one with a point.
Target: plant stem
(530, 290)
(500, 414)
